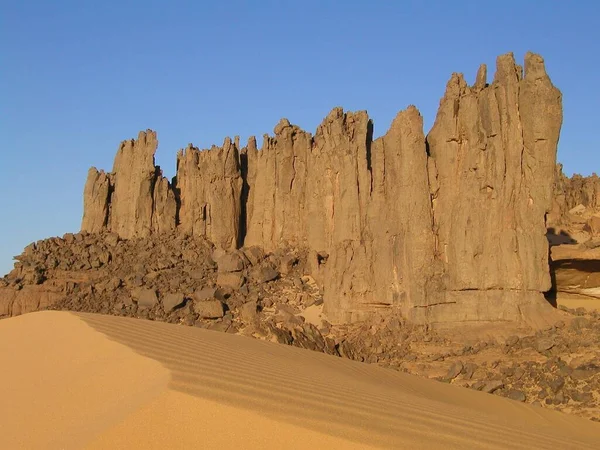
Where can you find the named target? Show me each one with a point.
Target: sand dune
(90, 381)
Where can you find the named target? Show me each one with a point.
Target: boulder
(209, 309)
(249, 311)
(146, 298)
(230, 262)
(254, 254)
(172, 300)
(264, 274)
(208, 293)
(232, 280)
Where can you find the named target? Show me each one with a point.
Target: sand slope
(72, 381)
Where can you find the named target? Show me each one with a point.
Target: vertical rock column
(134, 179)
(209, 184)
(134, 199)
(492, 156)
(278, 191)
(96, 201)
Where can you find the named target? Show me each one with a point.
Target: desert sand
(90, 381)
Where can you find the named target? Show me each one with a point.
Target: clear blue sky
(77, 77)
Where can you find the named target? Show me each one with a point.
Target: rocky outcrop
(444, 228)
(492, 154)
(361, 207)
(134, 178)
(209, 185)
(134, 200)
(96, 201)
(577, 195)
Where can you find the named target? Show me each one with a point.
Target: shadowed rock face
(448, 228)
(96, 200)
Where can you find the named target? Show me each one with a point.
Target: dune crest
(62, 382)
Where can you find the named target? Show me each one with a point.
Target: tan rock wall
(209, 185)
(447, 228)
(95, 201)
(492, 155)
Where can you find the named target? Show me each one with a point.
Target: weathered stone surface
(206, 293)
(134, 199)
(230, 262)
(492, 154)
(248, 311)
(134, 177)
(95, 201)
(576, 192)
(210, 185)
(492, 386)
(209, 309)
(164, 206)
(28, 299)
(146, 298)
(232, 280)
(172, 301)
(444, 229)
(517, 395)
(264, 274)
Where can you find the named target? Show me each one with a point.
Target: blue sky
(78, 77)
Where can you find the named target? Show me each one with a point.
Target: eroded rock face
(209, 184)
(134, 200)
(134, 178)
(448, 228)
(492, 154)
(96, 198)
(577, 195)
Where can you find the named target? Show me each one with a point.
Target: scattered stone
(556, 384)
(264, 274)
(249, 311)
(544, 344)
(455, 369)
(146, 298)
(254, 254)
(209, 309)
(515, 394)
(469, 369)
(206, 293)
(232, 280)
(492, 386)
(172, 301)
(230, 262)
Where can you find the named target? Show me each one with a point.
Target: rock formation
(134, 200)
(209, 185)
(448, 228)
(492, 155)
(578, 195)
(96, 197)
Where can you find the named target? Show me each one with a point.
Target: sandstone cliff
(492, 156)
(209, 186)
(448, 228)
(134, 200)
